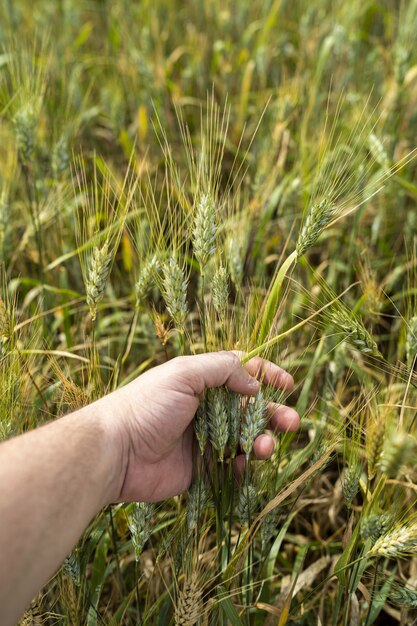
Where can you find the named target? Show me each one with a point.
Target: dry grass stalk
(33, 616)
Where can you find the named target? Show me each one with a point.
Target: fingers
(263, 448)
(215, 369)
(270, 374)
(283, 418)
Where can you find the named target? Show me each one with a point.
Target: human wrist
(110, 448)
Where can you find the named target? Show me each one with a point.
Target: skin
(135, 444)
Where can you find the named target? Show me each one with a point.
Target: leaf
(270, 309)
(344, 561)
(98, 577)
(229, 608)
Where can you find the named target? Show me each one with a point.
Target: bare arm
(135, 444)
(53, 480)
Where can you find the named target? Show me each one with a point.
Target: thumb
(215, 369)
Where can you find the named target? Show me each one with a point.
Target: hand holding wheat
(152, 418)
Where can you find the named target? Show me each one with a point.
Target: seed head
(201, 428)
(60, 156)
(411, 343)
(403, 596)
(175, 286)
(218, 420)
(318, 217)
(98, 273)
(375, 525)
(378, 151)
(146, 277)
(350, 483)
(198, 499)
(268, 529)
(247, 503)
(402, 56)
(189, 607)
(139, 521)
(25, 124)
(398, 542)
(234, 261)
(254, 422)
(205, 230)
(71, 567)
(353, 330)
(5, 326)
(399, 451)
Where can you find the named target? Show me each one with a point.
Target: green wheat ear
(175, 284)
(205, 230)
(139, 520)
(97, 276)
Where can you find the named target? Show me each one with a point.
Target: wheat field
(180, 177)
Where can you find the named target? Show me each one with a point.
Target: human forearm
(53, 480)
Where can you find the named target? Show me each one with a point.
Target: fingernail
(252, 382)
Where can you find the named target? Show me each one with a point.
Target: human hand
(151, 419)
